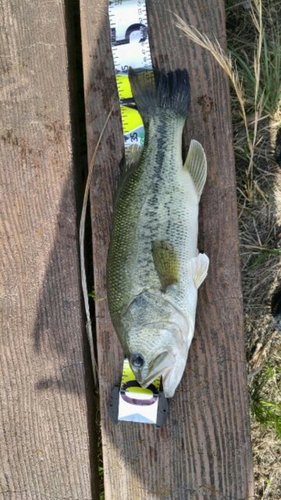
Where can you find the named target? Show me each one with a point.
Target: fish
(154, 268)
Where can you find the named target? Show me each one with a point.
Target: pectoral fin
(196, 165)
(199, 268)
(166, 263)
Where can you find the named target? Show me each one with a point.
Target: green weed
(264, 253)
(266, 412)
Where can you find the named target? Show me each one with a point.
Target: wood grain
(44, 438)
(204, 450)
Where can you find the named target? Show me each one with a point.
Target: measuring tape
(132, 403)
(130, 47)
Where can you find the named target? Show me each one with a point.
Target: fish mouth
(160, 370)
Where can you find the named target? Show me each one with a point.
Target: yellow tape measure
(131, 119)
(130, 47)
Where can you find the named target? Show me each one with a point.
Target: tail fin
(155, 90)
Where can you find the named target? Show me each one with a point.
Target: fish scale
(164, 218)
(152, 223)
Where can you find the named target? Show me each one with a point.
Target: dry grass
(259, 206)
(82, 254)
(253, 65)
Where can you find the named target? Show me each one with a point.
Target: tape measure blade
(130, 47)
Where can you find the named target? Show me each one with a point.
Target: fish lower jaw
(145, 384)
(169, 394)
(163, 371)
(147, 381)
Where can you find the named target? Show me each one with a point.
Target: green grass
(263, 255)
(264, 410)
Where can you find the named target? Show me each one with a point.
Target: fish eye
(137, 360)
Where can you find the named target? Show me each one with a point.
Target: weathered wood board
(44, 437)
(204, 450)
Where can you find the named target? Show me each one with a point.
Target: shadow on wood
(47, 415)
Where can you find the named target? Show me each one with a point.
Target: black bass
(154, 269)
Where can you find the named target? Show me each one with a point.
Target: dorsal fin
(196, 165)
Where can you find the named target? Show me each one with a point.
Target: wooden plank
(44, 437)
(204, 450)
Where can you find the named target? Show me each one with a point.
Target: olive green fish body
(153, 268)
